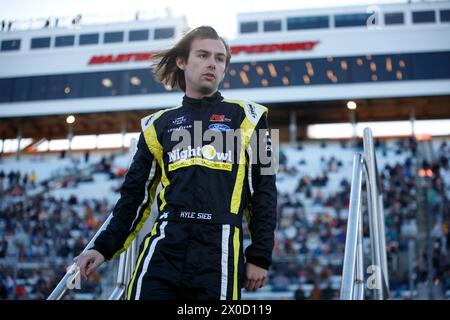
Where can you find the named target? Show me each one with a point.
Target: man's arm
(134, 206)
(263, 204)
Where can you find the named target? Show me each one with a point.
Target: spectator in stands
(327, 292)
(316, 293)
(86, 156)
(77, 19)
(299, 294)
(444, 173)
(3, 291)
(2, 179)
(25, 180)
(20, 292)
(3, 247)
(11, 178)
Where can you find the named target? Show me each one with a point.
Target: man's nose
(212, 63)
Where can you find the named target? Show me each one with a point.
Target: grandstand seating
(42, 232)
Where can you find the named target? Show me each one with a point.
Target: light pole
(70, 121)
(124, 132)
(19, 140)
(351, 105)
(412, 118)
(293, 128)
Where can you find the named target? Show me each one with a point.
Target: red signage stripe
(250, 49)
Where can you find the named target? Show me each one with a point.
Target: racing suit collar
(204, 102)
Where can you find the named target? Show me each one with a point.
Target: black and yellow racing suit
(196, 240)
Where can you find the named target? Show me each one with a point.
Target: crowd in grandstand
(44, 232)
(40, 234)
(312, 227)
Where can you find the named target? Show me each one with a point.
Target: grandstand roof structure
(55, 126)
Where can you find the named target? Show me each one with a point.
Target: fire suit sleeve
(134, 206)
(263, 201)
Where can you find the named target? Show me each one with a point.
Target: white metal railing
(352, 287)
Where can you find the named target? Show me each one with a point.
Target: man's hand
(255, 277)
(88, 262)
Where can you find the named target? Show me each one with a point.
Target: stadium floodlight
(351, 105)
(106, 82)
(70, 119)
(135, 81)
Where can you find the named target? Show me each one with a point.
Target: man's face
(205, 67)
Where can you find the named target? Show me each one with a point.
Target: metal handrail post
(359, 281)
(115, 295)
(134, 253)
(382, 234)
(353, 280)
(126, 267)
(385, 274)
(349, 264)
(374, 223)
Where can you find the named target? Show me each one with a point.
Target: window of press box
(445, 15)
(56, 85)
(394, 18)
(38, 88)
(249, 27)
(312, 22)
(20, 89)
(10, 45)
(6, 88)
(138, 35)
(351, 20)
(89, 38)
(90, 84)
(73, 86)
(65, 41)
(112, 37)
(164, 33)
(39, 43)
(272, 25)
(424, 16)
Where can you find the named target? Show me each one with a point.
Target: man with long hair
(195, 249)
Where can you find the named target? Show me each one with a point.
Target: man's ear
(180, 63)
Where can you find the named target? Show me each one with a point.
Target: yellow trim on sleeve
(246, 132)
(157, 150)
